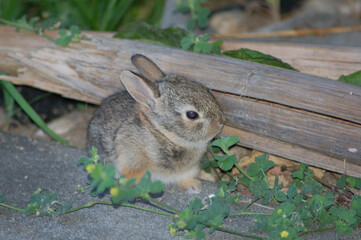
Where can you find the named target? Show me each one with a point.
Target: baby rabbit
(161, 123)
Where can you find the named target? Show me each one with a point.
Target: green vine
(303, 209)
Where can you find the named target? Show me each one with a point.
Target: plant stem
(231, 231)
(232, 176)
(11, 207)
(266, 179)
(250, 204)
(216, 172)
(90, 204)
(14, 24)
(318, 230)
(147, 209)
(249, 213)
(243, 172)
(214, 157)
(156, 202)
(26, 28)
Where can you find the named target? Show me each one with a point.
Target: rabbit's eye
(192, 115)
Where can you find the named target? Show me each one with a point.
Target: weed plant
(306, 207)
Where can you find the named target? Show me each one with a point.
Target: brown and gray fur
(147, 128)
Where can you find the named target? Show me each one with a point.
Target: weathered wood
(310, 130)
(292, 151)
(289, 111)
(319, 60)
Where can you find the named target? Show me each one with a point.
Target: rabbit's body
(161, 123)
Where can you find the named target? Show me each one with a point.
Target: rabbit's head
(183, 110)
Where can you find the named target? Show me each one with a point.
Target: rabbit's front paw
(131, 173)
(191, 185)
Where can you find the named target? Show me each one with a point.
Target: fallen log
(319, 60)
(298, 116)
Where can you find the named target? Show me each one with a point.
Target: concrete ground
(28, 164)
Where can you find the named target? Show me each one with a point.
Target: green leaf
(316, 207)
(191, 24)
(353, 78)
(267, 198)
(196, 205)
(297, 222)
(206, 165)
(103, 178)
(230, 141)
(341, 182)
(63, 33)
(186, 43)
(198, 13)
(63, 41)
(289, 208)
(2, 198)
(156, 187)
(354, 182)
(305, 213)
(227, 162)
(280, 196)
(328, 199)
(263, 162)
(216, 46)
(356, 204)
(125, 194)
(41, 204)
(225, 142)
(311, 187)
(257, 57)
(22, 23)
(259, 188)
(63, 208)
(253, 169)
(144, 32)
(300, 173)
(292, 191)
(204, 37)
(200, 235)
(144, 184)
(94, 153)
(197, 47)
(346, 219)
(203, 18)
(85, 161)
(75, 30)
(205, 47)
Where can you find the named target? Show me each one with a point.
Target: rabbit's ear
(147, 68)
(142, 90)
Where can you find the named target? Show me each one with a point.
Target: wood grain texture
(327, 61)
(286, 110)
(311, 131)
(293, 151)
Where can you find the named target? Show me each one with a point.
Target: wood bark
(327, 61)
(294, 115)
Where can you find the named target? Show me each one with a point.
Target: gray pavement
(28, 164)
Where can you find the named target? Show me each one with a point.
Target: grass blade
(121, 9)
(155, 18)
(30, 111)
(9, 106)
(107, 17)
